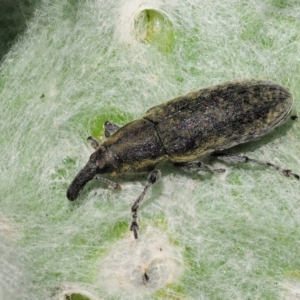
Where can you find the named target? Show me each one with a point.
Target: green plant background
(67, 67)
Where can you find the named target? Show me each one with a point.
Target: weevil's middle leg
(234, 158)
(197, 165)
(153, 177)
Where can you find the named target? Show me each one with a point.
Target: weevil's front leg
(94, 143)
(153, 177)
(110, 128)
(234, 158)
(197, 165)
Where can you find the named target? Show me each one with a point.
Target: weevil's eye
(103, 166)
(93, 157)
(97, 155)
(98, 158)
(100, 164)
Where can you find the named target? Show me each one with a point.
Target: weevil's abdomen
(219, 117)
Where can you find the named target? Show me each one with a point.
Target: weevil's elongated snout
(81, 179)
(98, 164)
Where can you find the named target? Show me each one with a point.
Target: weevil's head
(99, 163)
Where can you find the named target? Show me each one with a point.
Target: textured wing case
(219, 117)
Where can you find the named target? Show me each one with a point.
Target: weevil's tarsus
(234, 158)
(153, 177)
(197, 165)
(145, 278)
(110, 128)
(94, 143)
(110, 183)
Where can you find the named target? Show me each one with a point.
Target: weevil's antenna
(110, 183)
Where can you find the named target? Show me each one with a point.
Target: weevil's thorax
(135, 147)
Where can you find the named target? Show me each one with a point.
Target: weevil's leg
(94, 143)
(234, 158)
(153, 177)
(110, 128)
(110, 183)
(197, 165)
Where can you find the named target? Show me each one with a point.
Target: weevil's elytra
(219, 117)
(181, 130)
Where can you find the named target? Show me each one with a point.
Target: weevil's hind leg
(110, 128)
(94, 143)
(197, 165)
(234, 158)
(153, 177)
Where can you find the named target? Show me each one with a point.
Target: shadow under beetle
(181, 130)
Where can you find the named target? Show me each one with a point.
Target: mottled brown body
(180, 130)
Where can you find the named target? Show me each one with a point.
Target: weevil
(204, 122)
